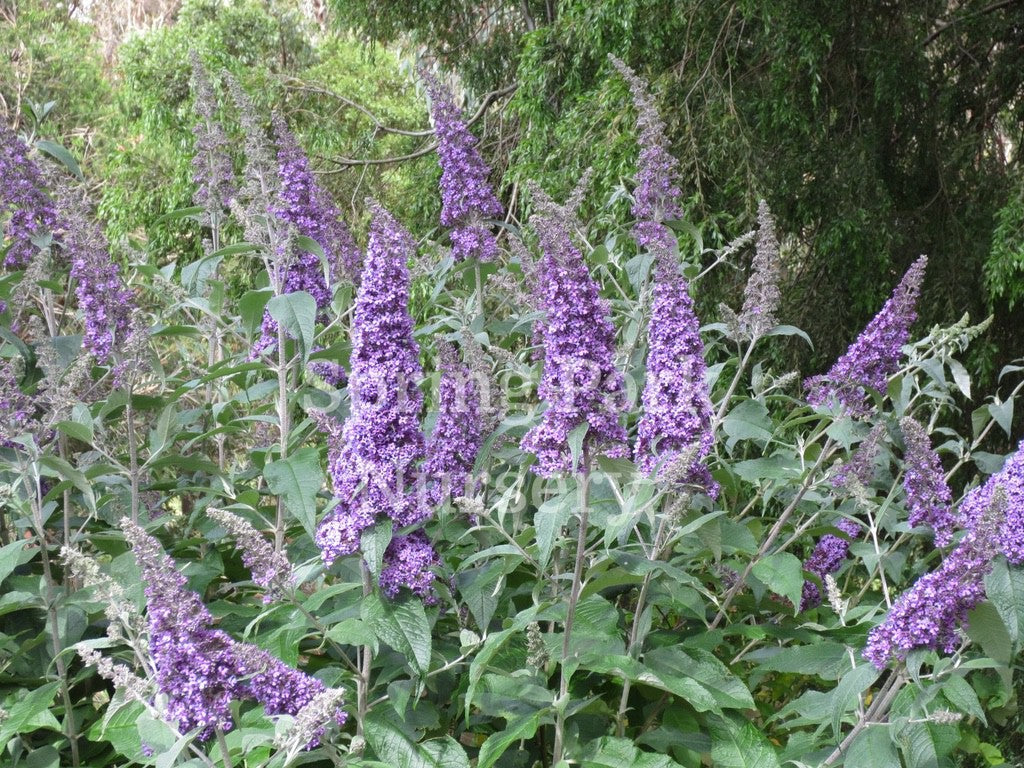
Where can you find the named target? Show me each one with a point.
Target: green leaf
(790, 330)
(576, 438)
(873, 748)
(960, 694)
(826, 660)
(783, 574)
(180, 213)
(961, 377)
(297, 479)
(76, 431)
(1004, 587)
(702, 676)
(747, 421)
(62, 156)
(611, 752)
(498, 743)
(374, 541)
(926, 745)
(11, 558)
(403, 626)
(845, 696)
(1003, 415)
(296, 314)
(251, 307)
(548, 521)
(396, 747)
(65, 471)
(31, 713)
(985, 626)
(738, 743)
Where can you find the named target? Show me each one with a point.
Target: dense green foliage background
(876, 131)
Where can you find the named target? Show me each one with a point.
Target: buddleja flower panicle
(1010, 479)
(458, 431)
(212, 168)
(373, 458)
(656, 196)
(875, 355)
(105, 302)
(931, 613)
(270, 568)
(761, 296)
(26, 210)
(677, 411)
(467, 197)
(580, 383)
(200, 670)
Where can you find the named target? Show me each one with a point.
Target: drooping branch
(942, 26)
(344, 163)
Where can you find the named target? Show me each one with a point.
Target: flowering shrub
(572, 527)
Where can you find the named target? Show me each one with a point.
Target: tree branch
(349, 162)
(944, 25)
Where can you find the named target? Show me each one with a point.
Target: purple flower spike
(199, 669)
(307, 206)
(677, 410)
(212, 170)
(105, 303)
(827, 557)
(875, 355)
(26, 211)
(372, 458)
(656, 196)
(304, 205)
(930, 613)
(458, 431)
(580, 383)
(928, 495)
(467, 198)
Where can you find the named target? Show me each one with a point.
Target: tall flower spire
(930, 613)
(199, 669)
(875, 355)
(580, 383)
(304, 207)
(677, 410)
(212, 169)
(677, 406)
(26, 211)
(656, 196)
(104, 301)
(928, 495)
(308, 207)
(467, 197)
(372, 458)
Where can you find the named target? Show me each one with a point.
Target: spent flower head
(761, 296)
